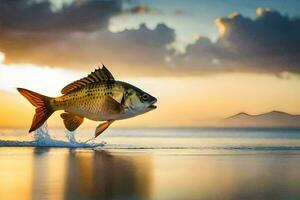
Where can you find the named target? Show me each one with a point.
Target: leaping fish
(97, 97)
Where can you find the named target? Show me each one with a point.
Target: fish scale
(87, 100)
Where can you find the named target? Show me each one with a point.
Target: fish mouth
(152, 105)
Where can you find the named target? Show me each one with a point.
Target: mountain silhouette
(270, 119)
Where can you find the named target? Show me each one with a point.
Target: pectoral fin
(102, 127)
(111, 106)
(71, 121)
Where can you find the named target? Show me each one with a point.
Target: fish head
(136, 101)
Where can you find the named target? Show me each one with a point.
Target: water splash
(42, 138)
(70, 136)
(42, 134)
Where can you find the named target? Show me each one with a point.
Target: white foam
(42, 138)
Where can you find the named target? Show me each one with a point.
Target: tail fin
(43, 109)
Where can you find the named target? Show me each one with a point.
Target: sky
(203, 60)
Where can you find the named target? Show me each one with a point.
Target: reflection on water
(228, 177)
(105, 176)
(57, 174)
(49, 174)
(15, 174)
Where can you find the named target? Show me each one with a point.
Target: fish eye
(145, 97)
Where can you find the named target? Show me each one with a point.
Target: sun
(34, 77)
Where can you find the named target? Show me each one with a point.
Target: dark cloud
(269, 43)
(37, 16)
(140, 51)
(28, 26)
(143, 9)
(140, 9)
(77, 36)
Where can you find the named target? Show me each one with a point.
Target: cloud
(141, 51)
(77, 36)
(143, 9)
(31, 30)
(38, 16)
(140, 9)
(269, 43)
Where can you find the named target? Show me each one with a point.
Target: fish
(97, 97)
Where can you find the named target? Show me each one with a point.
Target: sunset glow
(149, 99)
(199, 74)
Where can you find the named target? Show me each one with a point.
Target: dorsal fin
(99, 75)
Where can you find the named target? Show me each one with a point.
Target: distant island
(270, 119)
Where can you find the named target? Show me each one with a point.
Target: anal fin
(102, 127)
(71, 121)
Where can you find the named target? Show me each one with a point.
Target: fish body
(96, 97)
(91, 102)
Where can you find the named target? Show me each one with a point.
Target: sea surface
(166, 164)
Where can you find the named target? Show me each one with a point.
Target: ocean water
(176, 163)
